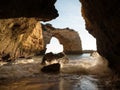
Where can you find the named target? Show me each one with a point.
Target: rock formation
(50, 58)
(67, 37)
(20, 37)
(40, 9)
(102, 19)
(53, 62)
(52, 68)
(20, 29)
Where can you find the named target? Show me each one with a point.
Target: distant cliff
(67, 37)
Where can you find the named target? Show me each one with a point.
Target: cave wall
(20, 28)
(102, 19)
(67, 37)
(20, 37)
(39, 9)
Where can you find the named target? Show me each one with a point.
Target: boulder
(6, 58)
(51, 58)
(53, 68)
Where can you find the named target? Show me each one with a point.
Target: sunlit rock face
(20, 37)
(40, 9)
(102, 19)
(67, 37)
(20, 30)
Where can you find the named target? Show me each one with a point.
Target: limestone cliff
(67, 37)
(20, 37)
(102, 19)
(20, 29)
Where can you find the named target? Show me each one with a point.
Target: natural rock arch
(67, 37)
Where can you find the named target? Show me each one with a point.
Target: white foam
(20, 68)
(28, 67)
(91, 65)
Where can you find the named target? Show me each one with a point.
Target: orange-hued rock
(102, 19)
(20, 37)
(67, 37)
(20, 29)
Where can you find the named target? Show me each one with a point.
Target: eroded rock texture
(68, 38)
(20, 29)
(102, 19)
(20, 37)
(40, 9)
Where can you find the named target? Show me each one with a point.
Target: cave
(102, 21)
(21, 35)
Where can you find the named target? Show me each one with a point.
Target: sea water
(81, 73)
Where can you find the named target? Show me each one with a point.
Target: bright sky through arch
(54, 48)
(70, 16)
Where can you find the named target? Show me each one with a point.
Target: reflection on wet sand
(54, 82)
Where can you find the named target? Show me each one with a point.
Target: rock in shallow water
(53, 68)
(51, 58)
(53, 62)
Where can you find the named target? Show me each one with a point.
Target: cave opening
(80, 72)
(70, 16)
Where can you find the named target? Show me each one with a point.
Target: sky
(70, 16)
(54, 47)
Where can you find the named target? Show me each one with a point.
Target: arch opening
(70, 16)
(54, 46)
